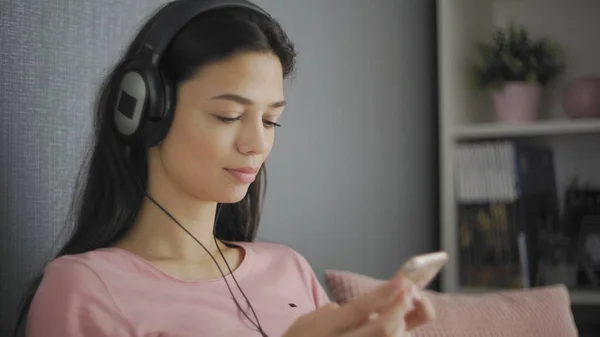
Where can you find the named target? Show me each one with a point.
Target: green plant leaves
(513, 56)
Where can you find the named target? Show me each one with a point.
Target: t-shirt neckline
(238, 272)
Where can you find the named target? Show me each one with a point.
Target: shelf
(538, 128)
(585, 297)
(466, 114)
(578, 297)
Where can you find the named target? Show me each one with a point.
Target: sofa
(534, 312)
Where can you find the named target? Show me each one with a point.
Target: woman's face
(223, 128)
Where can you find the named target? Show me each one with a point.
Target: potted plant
(515, 69)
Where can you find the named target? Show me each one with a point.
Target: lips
(244, 175)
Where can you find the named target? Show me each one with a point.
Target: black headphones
(144, 104)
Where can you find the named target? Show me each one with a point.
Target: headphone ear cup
(131, 102)
(168, 100)
(155, 108)
(161, 127)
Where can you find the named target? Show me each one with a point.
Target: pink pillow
(543, 312)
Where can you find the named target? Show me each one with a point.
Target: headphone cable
(257, 324)
(259, 327)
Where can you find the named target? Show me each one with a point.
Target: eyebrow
(246, 101)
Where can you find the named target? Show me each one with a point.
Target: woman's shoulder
(267, 246)
(277, 253)
(75, 275)
(271, 248)
(89, 274)
(73, 298)
(75, 266)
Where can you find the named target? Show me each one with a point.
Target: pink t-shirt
(112, 292)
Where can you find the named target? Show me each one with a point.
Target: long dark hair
(107, 198)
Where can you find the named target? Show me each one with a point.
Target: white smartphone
(422, 269)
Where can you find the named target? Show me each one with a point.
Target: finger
(318, 320)
(329, 307)
(356, 311)
(388, 322)
(325, 310)
(423, 313)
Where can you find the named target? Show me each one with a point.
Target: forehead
(258, 76)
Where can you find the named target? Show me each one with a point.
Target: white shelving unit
(467, 115)
(542, 128)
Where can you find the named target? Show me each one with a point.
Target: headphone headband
(145, 99)
(177, 14)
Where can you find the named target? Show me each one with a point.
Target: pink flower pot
(581, 97)
(517, 102)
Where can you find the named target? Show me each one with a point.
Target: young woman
(163, 243)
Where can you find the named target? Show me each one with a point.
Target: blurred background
(470, 126)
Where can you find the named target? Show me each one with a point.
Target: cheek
(206, 149)
(269, 141)
(193, 151)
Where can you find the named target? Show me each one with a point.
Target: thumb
(388, 321)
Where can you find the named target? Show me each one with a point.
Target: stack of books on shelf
(506, 195)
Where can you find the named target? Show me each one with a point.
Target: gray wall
(352, 176)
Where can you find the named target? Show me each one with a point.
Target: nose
(253, 138)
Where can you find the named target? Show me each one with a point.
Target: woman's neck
(156, 235)
(167, 207)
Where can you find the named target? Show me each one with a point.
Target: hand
(421, 311)
(391, 308)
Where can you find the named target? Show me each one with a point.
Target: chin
(233, 195)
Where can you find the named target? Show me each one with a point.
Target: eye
(270, 125)
(228, 119)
